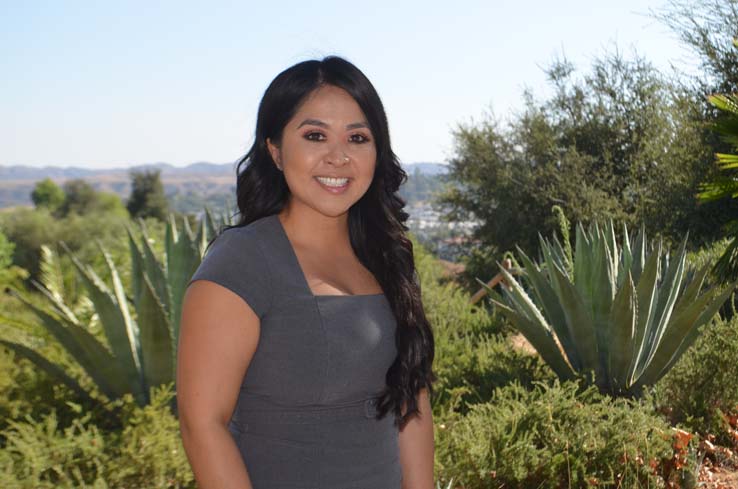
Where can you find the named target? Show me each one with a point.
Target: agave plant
(135, 351)
(616, 316)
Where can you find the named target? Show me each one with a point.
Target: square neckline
(301, 273)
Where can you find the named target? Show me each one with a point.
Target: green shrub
(27, 391)
(38, 454)
(707, 254)
(469, 369)
(703, 384)
(146, 453)
(24, 388)
(472, 356)
(552, 436)
(712, 254)
(150, 452)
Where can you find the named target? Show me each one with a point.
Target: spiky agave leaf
(97, 361)
(532, 325)
(546, 296)
(116, 322)
(52, 369)
(628, 329)
(51, 275)
(157, 346)
(683, 330)
(621, 333)
(155, 271)
(182, 258)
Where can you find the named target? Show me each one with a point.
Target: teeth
(333, 182)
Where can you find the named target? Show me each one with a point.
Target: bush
(150, 452)
(472, 356)
(147, 453)
(469, 369)
(702, 385)
(552, 436)
(38, 454)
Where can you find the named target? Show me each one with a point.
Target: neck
(311, 229)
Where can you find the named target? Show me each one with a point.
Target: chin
(332, 211)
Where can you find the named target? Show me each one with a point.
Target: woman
(305, 355)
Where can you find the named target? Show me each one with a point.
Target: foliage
(472, 354)
(29, 229)
(47, 194)
(487, 396)
(81, 198)
(419, 187)
(150, 452)
(26, 389)
(551, 437)
(701, 388)
(133, 353)
(446, 305)
(469, 369)
(625, 313)
(726, 184)
(620, 142)
(6, 251)
(706, 27)
(147, 197)
(39, 453)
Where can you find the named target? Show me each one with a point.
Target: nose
(338, 156)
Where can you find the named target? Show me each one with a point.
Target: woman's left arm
(416, 447)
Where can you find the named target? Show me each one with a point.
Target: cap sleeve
(235, 261)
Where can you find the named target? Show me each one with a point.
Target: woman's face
(328, 153)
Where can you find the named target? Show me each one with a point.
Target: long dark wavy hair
(377, 217)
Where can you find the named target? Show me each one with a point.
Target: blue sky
(112, 84)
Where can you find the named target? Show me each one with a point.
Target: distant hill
(426, 168)
(187, 187)
(22, 172)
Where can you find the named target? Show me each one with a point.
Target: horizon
(164, 163)
(123, 93)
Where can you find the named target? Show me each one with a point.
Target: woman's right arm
(219, 333)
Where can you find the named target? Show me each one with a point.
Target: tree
(147, 197)
(618, 143)
(82, 199)
(79, 197)
(47, 194)
(707, 28)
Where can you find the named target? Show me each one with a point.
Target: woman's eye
(316, 136)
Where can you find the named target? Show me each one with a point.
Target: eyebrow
(316, 122)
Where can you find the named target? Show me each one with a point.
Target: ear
(275, 153)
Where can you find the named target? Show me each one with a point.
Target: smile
(333, 185)
(333, 182)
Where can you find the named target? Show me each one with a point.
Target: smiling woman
(326, 147)
(305, 354)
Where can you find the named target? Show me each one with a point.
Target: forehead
(329, 103)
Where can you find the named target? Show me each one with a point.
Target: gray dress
(305, 412)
